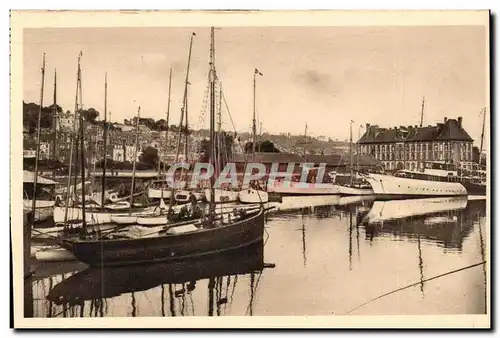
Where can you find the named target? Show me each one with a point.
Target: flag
(257, 72)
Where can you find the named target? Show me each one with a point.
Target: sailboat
(252, 194)
(98, 213)
(206, 236)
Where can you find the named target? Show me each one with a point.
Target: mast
(54, 119)
(72, 145)
(254, 122)
(166, 132)
(212, 119)
(35, 178)
(105, 137)
(184, 101)
(482, 135)
(82, 159)
(135, 157)
(350, 148)
(422, 113)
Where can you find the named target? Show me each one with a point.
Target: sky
(320, 76)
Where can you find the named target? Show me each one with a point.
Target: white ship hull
(222, 196)
(253, 196)
(304, 189)
(391, 185)
(397, 209)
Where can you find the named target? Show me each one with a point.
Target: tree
(161, 125)
(264, 147)
(150, 156)
(90, 115)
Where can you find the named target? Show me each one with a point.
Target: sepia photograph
(250, 169)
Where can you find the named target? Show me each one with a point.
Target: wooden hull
(124, 219)
(253, 196)
(98, 283)
(169, 247)
(398, 186)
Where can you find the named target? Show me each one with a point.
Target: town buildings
(408, 147)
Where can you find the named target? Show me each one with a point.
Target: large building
(409, 147)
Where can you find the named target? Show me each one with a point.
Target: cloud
(315, 81)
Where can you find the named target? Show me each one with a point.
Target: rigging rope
(414, 284)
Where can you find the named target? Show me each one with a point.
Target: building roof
(269, 158)
(450, 129)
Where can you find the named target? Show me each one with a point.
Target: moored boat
(96, 216)
(415, 187)
(199, 241)
(251, 195)
(222, 196)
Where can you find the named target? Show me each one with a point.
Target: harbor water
(321, 256)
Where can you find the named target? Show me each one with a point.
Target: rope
(414, 284)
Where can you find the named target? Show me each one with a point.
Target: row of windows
(430, 156)
(416, 147)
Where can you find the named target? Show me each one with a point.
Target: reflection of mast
(483, 257)
(211, 285)
(252, 284)
(163, 300)
(304, 252)
(420, 265)
(171, 299)
(350, 240)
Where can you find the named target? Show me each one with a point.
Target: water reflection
(325, 254)
(94, 286)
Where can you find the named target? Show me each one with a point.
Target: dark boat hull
(163, 248)
(96, 283)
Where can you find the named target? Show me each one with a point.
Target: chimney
(460, 121)
(367, 126)
(445, 119)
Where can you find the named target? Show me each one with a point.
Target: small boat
(222, 196)
(155, 193)
(44, 209)
(56, 254)
(253, 196)
(96, 215)
(183, 196)
(124, 219)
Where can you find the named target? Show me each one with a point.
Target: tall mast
(135, 157)
(166, 131)
(422, 113)
(212, 118)
(72, 145)
(482, 135)
(35, 178)
(350, 148)
(55, 118)
(184, 102)
(254, 122)
(82, 155)
(105, 139)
